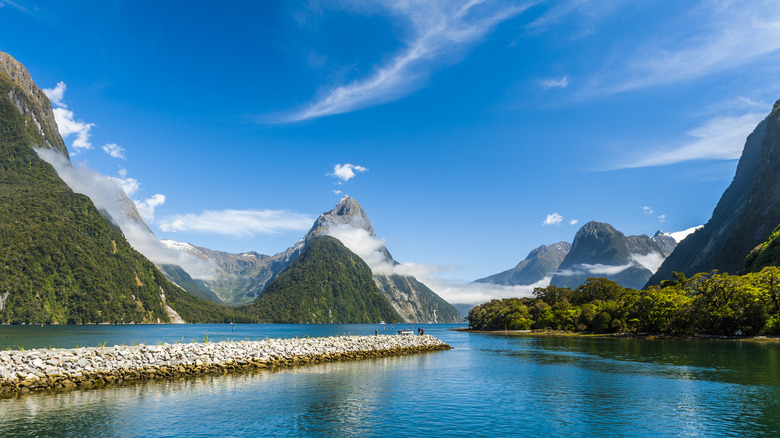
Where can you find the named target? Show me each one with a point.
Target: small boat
(382, 322)
(405, 332)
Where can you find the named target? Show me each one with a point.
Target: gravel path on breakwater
(53, 369)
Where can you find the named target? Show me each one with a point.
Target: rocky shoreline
(23, 371)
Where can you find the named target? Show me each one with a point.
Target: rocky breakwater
(63, 369)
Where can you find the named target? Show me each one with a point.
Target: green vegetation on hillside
(765, 254)
(717, 304)
(60, 260)
(327, 284)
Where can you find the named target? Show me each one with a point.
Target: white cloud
(652, 261)
(128, 185)
(56, 94)
(367, 247)
(238, 222)
(106, 194)
(555, 83)
(594, 269)
(662, 218)
(68, 125)
(114, 150)
(680, 235)
(372, 250)
(338, 192)
(574, 222)
(721, 138)
(437, 32)
(552, 219)
(647, 210)
(146, 207)
(346, 172)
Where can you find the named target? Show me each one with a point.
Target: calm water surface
(488, 385)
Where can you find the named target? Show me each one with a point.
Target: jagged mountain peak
(31, 102)
(347, 212)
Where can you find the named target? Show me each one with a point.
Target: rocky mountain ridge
(598, 250)
(745, 215)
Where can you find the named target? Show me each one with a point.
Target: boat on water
(405, 332)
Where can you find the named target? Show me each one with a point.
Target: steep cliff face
(61, 261)
(744, 217)
(599, 250)
(37, 114)
(540, 263)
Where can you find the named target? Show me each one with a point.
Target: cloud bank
(239, 223)
(373, 251)
(107, 195)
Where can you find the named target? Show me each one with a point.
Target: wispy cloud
(555, 83)
(114, 150)
(552, 219)
(238, 222)
(646, 210)
(346, 172)
(716, 36)
(720, 138)
(594, 269)
(574, 222)
(67, 123)
(436, 32)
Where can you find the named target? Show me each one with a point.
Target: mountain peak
(31, 102)
(347, 212)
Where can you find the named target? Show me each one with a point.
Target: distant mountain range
(242, 278)
(598, 250)
(540, 263)
(746, 214)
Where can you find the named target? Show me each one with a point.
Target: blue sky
(476, 130)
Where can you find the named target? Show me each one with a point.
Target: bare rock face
(32, 103)
(599, 250)
(745, 216)
(540, 263)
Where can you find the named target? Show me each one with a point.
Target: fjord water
(489, 385)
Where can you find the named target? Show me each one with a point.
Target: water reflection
(487, 386)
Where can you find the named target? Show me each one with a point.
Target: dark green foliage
(718, 304)
(765, 254)
(326, 284)
(60, 260)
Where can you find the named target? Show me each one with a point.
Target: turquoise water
(488, 385)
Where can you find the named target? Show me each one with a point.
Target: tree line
(707, 303)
